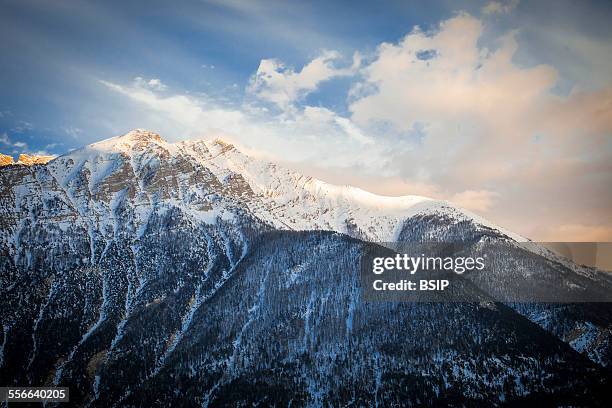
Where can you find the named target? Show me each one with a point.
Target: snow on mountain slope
(280, 197)
(289, 199)
(303, 203)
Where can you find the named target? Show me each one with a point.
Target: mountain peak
(141, 135)
(223, 143)
(5, 160)
(26, 159)
(136, 139)
(30, 159)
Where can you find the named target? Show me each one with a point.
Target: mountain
(142, 272)
(6, 160)
(25, 159)
(29, 159)
(282, 198)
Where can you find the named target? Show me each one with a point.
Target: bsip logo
(410, 285)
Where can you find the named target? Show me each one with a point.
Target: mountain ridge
(25, 159)
(225, 160)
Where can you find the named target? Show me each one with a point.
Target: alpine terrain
(140, 272)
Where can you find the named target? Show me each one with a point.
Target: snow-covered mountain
(196, 171)
(143, 272)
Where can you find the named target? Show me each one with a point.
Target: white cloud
(153, 83)
(18, 147)
(8, 143)
(295, 136)
(73, 132)
(474, 103)
(22, 127)
(281, 85)
(184, 111)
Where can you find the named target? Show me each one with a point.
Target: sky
(502, 107)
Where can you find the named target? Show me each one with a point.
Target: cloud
(475, 200)
(329, 119)
(294, 136)
(18, 147)
(281, 85)
(462, 82)
(497, 7)
(15, 146)
(179, 113)
(474, 103)
(73, 132)
(22, 127)
(153, 83)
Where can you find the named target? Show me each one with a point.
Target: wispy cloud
(22, 126)
(153, 83)
(72, 131)
(14, 146)
(293, 134)
(274, 82)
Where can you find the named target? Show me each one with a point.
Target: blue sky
(53, 51)
(329, 88)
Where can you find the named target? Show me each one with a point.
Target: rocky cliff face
(29, 159)
(25, 159)
(141, 272)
